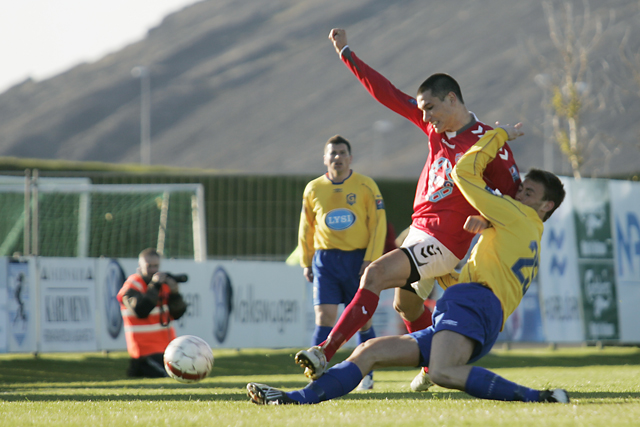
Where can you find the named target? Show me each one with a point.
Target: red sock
(422, 322)
(354, 317)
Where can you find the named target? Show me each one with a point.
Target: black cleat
(262, 394)
(554, 396)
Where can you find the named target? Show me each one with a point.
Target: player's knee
(399, 307)
(442, 378)
(365, 353)
(372, 278)
(408, 310)
(438, 377)
(325, 317)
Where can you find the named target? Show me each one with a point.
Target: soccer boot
(366, 383)
(422, 381)
(555, 396)
(262, 394)
(313, 361)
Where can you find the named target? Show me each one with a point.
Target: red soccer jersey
(439, 208)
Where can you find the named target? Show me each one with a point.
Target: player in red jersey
(437, 241)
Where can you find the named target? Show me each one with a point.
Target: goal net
(65, 217)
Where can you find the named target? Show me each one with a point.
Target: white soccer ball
(188, 359)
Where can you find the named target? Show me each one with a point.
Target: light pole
(544, 82)
(142, 73)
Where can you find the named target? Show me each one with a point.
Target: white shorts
(431, 258)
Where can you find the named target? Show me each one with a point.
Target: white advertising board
(22, 306)
(4, 315)
(67, 304)
(252, 304)
(110, 276)
(558, 276)
(231, 304)
(625, 208)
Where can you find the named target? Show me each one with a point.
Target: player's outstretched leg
(338, 381)
(554, 396)
(485, 384)
(262, 394)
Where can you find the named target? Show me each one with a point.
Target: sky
(42, 38)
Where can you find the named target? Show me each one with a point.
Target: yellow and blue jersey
(505, 259)
(347, 215)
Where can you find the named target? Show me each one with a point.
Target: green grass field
(91, 390)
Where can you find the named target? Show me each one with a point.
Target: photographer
(149, 301)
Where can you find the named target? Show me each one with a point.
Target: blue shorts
(469, 309)
(336, 275)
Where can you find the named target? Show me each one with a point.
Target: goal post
(80, 219)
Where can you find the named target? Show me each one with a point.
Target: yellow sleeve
(448, 279)
(376, 223)
(467, 175)
(306, 231)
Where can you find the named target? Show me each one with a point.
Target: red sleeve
(383, 91)
(502, 173)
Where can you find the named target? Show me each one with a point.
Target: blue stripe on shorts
(469, 309)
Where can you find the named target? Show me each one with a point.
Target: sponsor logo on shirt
(440, 184)
(340, 219)
(515, 174)
(379, 204)
(422, 253)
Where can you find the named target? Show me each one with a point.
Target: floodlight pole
(142, 73)
(544, 82)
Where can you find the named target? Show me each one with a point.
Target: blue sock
(366, 335)
(485, 384)
(320, 334)
(337, 381)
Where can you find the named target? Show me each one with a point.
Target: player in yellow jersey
(342, 230)
(471, 313)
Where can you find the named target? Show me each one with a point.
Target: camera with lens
(180, 278)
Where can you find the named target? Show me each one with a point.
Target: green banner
(599, 300)
(596, 259)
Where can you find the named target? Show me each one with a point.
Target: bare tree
(631, 61)
(574, 37)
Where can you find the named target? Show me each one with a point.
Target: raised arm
(375, 83)
(339, 38)
(467, 174)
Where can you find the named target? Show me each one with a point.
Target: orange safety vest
(153, 333)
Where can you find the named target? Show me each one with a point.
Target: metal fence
(254, 217)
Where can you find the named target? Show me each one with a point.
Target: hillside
(255, 86)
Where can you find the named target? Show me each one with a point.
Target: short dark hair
(149, 252)
(337, 139)
(440, 85)
(553, 188)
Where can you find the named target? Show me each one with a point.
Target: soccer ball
(188, 359)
